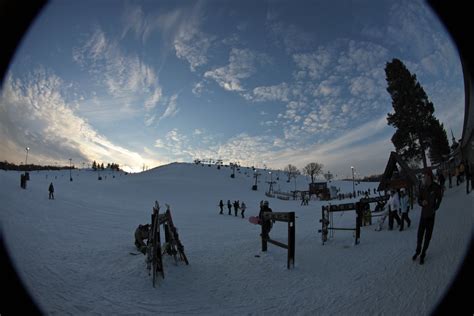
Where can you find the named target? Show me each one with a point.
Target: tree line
(112, 166)
(5, 165)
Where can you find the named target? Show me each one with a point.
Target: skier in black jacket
(267, 225)
(429, 199)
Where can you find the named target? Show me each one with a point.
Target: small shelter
(398, 175)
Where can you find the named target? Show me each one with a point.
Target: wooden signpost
(288, 217)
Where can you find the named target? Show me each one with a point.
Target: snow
(73, 252)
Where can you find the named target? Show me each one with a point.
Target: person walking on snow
(429, 199)
(229, 206)
(221, 205)
(405, 207)
(243, 207)
(394, 206)
(51, 191)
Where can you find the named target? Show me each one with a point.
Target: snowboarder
(429, 199)
(394, 206)
(229, 206)
(404, 209)
(243, 207)
(141, 233)
(51, 191)
(267, 225)
(221, 205)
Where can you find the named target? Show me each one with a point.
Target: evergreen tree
(94, 166)
(313, 169)
(439, 148)
(413, 112)
(102, 166)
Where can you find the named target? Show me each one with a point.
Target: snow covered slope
(73, 252)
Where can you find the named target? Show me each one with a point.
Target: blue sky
(258, 82)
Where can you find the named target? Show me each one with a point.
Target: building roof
(406, 173)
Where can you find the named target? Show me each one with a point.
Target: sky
(261, 83)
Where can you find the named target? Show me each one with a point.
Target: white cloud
(153, 100)
(312, 64)
(122, 74)
(198, 88)
(51, 128)
(172, 107)
(242, 65)
(190, 43)
(272, 93)
(290, 36)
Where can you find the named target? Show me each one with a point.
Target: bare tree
(291, 171)
(313, 169)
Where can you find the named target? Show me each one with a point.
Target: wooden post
(291, 240)
(359, 213)
(264, 234)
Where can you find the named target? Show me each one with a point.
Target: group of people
(429, 198)
(397, 209)
(237, 206)
(350, 195)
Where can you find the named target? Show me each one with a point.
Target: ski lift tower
(256, 174)
(271, 183)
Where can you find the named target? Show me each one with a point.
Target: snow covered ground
(73, 252)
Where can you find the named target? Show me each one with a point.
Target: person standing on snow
(405, 207)
(394, 206)
(267, 225)
(236, 207)
(229, 206)
(468, 172)
(221, 205)
(243, 207)
(429, 199)
(51, 191)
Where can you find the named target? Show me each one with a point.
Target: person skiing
(243, 207)
(141, 233)
(229, 206)
(221, 205)
(394, 206)
(405, 207)
(51, 191)
(429, 199)
(267, 225)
